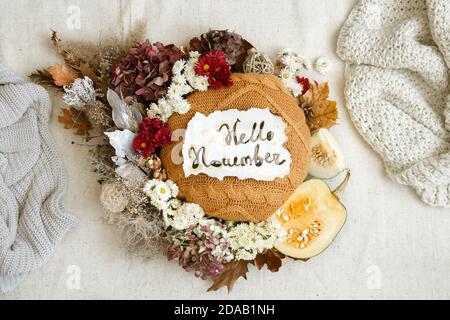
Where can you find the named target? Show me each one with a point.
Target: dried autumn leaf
(320, 112)
(71, 58)
(271, 258)
(62, 74)
(42, 77)
(75, 119)
(233, 271)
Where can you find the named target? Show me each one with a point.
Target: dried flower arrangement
(129, 89)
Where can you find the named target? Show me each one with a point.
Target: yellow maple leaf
(320, 112)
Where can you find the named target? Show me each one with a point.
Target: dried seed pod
(160, 174)
(154, 162)
(142, 161)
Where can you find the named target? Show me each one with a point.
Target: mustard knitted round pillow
(248, 199)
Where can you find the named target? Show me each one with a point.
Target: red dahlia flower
(304, 82)
(213, 64)
(153, 133)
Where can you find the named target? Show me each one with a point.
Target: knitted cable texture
(248, 199)
(397, 55)
(32, 217)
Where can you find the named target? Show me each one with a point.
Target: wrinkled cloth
(32, 181)
(397, 55)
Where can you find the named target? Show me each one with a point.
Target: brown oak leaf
(62, 74)
(319, 111)
(271, 258)
(233, 271)
(75, 119)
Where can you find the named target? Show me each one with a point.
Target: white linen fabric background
(392, 246)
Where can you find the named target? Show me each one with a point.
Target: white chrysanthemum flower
(200, 83)
(286, 74)
(173, 188)
(180, 105)
(163, 191)
(179, 79)
(159, 193)
(297, 62)
(186, 89)
(178, 66)
(322, 65)
(284, 52)
(194, 55)
(175, 91)
(175, 203)
(189, 73)
(287, 61)
(163, 109)
(295, 88)
(80, 92)
(290, 83)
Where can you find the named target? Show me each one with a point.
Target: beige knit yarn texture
(248, 199)
(397, 55)
(32, 215)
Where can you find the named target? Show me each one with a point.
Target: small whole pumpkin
(233, 198)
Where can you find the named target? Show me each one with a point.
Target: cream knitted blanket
(32, 217)
(397, 55)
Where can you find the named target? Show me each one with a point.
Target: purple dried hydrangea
(223, 40)
(144, 74)
(202, 248)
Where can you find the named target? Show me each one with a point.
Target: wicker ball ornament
(243, 199)
(257, 62)
(112, 198)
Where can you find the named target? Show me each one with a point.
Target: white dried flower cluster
(292, 63)
(249, 239)
(177, 214)
(80, 92)
(184, 81)
(183, 215)
(160, 192)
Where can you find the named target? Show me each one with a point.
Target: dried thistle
(141, 224)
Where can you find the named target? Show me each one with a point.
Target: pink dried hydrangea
(144, 73)
(203, 248)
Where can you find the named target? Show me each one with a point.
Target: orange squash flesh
(312, 217)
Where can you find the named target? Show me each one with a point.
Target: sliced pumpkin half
(312, 217)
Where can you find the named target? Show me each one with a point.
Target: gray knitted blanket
(397, 55)
(32, 216)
